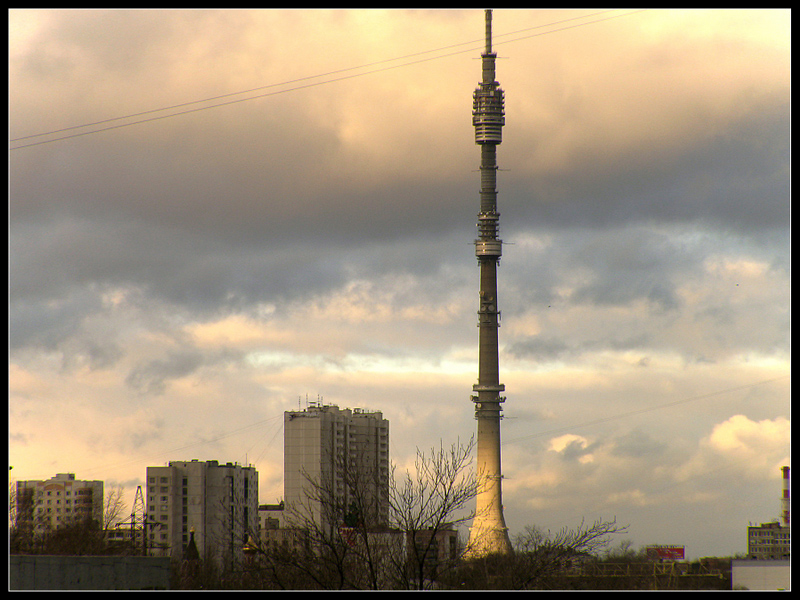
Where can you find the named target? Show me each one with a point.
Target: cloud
(151, 377)
(603, 474)
(740, 434)
(685, 126)
(200, 274)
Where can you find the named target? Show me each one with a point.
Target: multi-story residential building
(218, 503)
(341, 453)
(53, 503)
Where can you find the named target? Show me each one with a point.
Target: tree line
(406, 537)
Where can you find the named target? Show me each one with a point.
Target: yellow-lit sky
(177, 281)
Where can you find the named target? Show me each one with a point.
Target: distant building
(768, 541)
(273, 534)
(336, 448)
(761, 575)
(438, 549)
(123, 535)
(57, 502)
(772, 541)
(217, 502)
(270, 516)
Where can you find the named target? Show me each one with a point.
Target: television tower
(488, 534)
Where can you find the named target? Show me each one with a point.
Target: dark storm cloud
(734, 177)
(626, 266)
(240, 203)
(51, 261)
(601, 267)
(47, 323)
(551, 348)
(153, 376)
(273, 169)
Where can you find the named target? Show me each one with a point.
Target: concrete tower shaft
(489, 534)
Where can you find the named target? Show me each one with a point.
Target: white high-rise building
(338, 450)
(56, 502)
(216, 502)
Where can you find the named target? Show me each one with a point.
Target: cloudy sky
(217, 216)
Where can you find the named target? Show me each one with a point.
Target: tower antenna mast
(488, 534)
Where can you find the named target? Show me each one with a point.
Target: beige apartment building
(56, 502)
(216, 502)
(336, 448)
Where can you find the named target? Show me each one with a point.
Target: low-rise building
(768, 541)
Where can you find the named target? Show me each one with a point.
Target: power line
(300, 87)
(643, 410)
(219, 97)
(214, 440)
(259, 424)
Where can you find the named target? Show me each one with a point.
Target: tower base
(486, 539)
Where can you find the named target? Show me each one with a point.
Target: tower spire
(488, 20)
(488, 534)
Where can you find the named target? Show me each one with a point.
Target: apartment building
(217, 503)
(345, 453)
(57, 502)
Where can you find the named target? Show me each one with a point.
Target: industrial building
(768, 563)
(54, 503)
(342, 453)
(768, 541)
(217, 503)
(772, 541)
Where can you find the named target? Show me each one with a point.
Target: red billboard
(665, 552)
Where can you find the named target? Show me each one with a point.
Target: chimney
(785, 497)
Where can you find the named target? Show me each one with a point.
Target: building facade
(272, 532)
(57, 502)
(772, 541)
(768, 541)
(342, 454)
(217, 503)
(436, 549)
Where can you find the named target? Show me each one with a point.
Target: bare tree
(541, 559)
(585, 540)
(430, 501)
(113, 506)
(78, 533)
(352, 534)
(345, 534)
